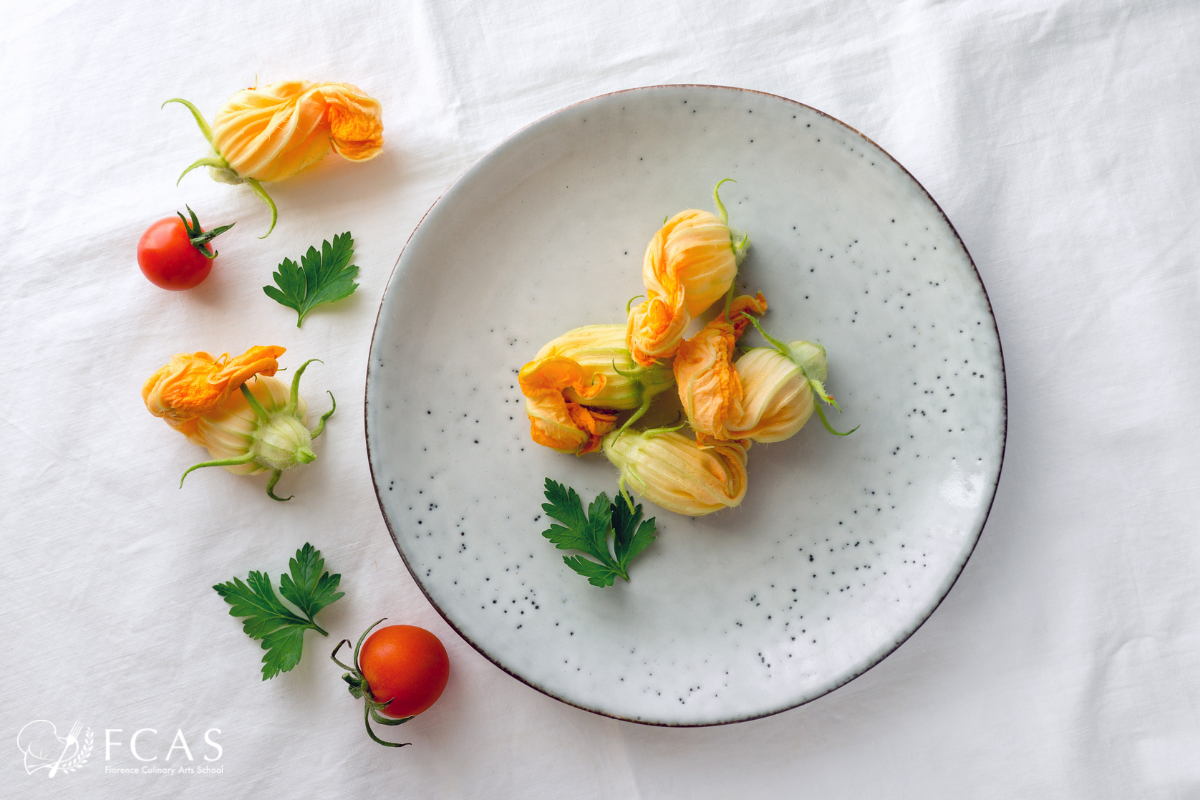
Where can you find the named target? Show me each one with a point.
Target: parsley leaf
(589, 532)
(631, 538)
(309, 586)
(322, 277)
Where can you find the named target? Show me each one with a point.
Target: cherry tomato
(407, 664)
(174, 254)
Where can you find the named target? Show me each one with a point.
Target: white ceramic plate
(842, 547)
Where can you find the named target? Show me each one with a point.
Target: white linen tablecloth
(1061, 138)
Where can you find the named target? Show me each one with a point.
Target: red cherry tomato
(175, 255)
(407, 664)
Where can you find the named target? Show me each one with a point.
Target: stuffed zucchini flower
(272, 133)
(709, 387)
(690, 264)
(672, 471)
(248, 420)
(780, 385)
(556, 421)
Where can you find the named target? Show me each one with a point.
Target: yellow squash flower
(656, 327)
(272, 133)
(600, 350)
(195, 384)
(554, 420)
(672, 471)
(776, 396)
(780, 385)
(690, 264)
(709, 387)
(261, 427)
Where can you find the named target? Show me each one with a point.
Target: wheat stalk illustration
(81, 755)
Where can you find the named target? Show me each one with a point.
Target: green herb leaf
(597, 574)
(566, 507)
(630, 539)
(323, 277)
(589, 532)
(284, 648)
(309, 586)
(257, 603)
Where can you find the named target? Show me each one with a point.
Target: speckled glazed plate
(842, 547)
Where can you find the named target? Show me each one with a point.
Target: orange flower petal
(555, 422)
(745, 304)
(709, 386)
(656, 328)
(356, 126)
(194, 384)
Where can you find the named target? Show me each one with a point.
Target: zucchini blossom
(776, 397)
(272, 133)
(780, 385)
(555, 421)
(709, 387)
(600, 352)
(673, 471)
(690, 264)
(249, 421)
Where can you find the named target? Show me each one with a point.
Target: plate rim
(900, 642)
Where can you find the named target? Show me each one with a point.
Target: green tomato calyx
(361, 690)
(198, 236)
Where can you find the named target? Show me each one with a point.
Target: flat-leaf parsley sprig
(308, 586)
(322, 277)
(589, 532)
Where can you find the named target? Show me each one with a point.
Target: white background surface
(1060, 138)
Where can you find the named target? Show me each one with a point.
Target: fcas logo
(44, 748)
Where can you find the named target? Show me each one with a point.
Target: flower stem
(255, 406)
(207, 161)
(721, 212)
(257, 188)
(229, 462)
(778, 345)
(321, 425)
(271, 487)
(203, 123)
(294, 397)
(828, 427)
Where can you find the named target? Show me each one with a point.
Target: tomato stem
(335, 658)
(197, 235)
(371, 733)
(361, 690)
